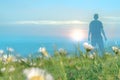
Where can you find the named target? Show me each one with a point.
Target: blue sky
(56, 17)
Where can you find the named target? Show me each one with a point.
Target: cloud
(50, 22)
(112, 17)
(111, 20)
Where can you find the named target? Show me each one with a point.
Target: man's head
(96, 16)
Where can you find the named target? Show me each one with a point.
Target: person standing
(96, 34)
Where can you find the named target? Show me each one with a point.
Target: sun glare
(77, 35)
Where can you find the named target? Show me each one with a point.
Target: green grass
(68, 68)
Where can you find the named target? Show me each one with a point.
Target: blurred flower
(115, 49)
(11, 69)
(94, 54)
(1, 52)
(91, 56)
(9, 58)
(37, 74)
(25, 60)
(3, 69)
(33, 64)
(10, 49)
(43, 51)
(62, 51)
(107, 53)
(88, 47)
(18, 55)
(4, 57)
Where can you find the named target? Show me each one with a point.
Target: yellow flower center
(37, 78)
(9, 59)
(45, 54)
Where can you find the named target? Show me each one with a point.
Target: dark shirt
(95, 28)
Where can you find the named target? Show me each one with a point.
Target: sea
(30, 45)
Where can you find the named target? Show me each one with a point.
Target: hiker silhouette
(96, 34)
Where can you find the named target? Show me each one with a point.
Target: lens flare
(77, 35)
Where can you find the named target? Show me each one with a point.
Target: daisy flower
(115, 49)
(88, 47)
(37, 74)
(43, 51)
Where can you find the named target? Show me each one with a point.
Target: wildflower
(11, 69)
(3, 69)
(10, 49)
(5, 56)
(115, 49)
(1, 54)
(37, 74)
(18, 55)
(43, 51)
(107, 53)
(88, 47)
(12, 58)
(62, 51)
(33, 64)
(9, 58)
(91, 56)
(25, 60)
(94, 54)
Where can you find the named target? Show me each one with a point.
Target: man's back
(95, 28)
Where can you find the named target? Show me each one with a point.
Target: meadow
(61, 66)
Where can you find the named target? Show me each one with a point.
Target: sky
(57, 17)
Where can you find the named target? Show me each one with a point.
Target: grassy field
(62, 67)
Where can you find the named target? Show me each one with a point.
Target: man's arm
(89, 36)
(102, 30)
(104, 34)
(89, 33)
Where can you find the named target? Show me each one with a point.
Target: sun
(77, 35)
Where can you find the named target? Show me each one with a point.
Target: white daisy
(37, 74)
(11, 69)
(23, 60)
(62, 51)
(9, 58)
(43, 51)
(91, 56)
(33, 64)
(88, 47)
(3, 69)
(115, 49)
